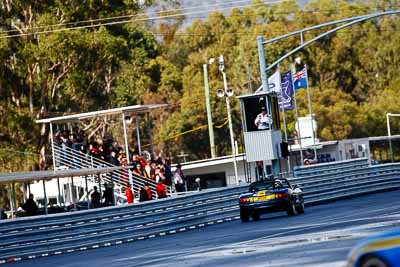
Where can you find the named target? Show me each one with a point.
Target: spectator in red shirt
(145, 193)
(129, 194)
(148, 191)
(161, 189)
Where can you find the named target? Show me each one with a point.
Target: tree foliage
(353, 73)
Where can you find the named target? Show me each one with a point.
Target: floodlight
(128, 119)
(220, 93)
(229, 92)
(221, 63)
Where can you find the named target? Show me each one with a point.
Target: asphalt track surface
(322, 237)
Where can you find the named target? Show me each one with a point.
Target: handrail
(78, 158)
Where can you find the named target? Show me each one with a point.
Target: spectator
(129, 194)
(197, 184)
(113, 158)
(95, 198)
(3, 215)
(148, 191)
(145, 193)
(94, 150)
(138, 170)
(57, 138)
(260, 170)
(153, 169)
(142, 161)
(108, 195)
(135, 160)
(114, 161)
(77, 140)
(30, 206)
(65, 138)
(124, 162)
(160, 174)
(178, 179)
(147, 169)
(168, 172)
(161, 189)
(263, 121)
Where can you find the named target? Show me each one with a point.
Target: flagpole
(311, 114)
(286, 139)
(285, 127)
(293, 70)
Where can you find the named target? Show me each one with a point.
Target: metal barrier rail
(183, 215)
(115, 224)
(344, 176)
(332, 172)
(20, 224)
(72, 235)
(330, 167)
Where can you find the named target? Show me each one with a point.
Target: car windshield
(268, 185)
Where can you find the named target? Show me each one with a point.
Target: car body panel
(385, 247)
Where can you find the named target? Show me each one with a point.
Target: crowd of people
(151, 167)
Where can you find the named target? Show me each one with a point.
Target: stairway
(68, 158)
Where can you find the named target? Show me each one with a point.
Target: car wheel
(300, 208)
(244, 215)
(372, 261)
(291, 210)
(255, 216)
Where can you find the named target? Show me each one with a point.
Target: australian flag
(300, 79)
(285, 99)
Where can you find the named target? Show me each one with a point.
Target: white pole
(286, 139)
(138, 135)
(293, 71)
(388, 123)
(311, 114)
(127, 147)
(52, 146)
(389, 135)
(208, 108)
(45, 196)
(228, 108)
(284, 125)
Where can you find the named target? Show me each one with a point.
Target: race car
(377, 251)
(268, 196)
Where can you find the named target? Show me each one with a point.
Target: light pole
(389, 133)
(228, 93)
(208, 107)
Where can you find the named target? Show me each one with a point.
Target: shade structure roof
(137, 109)
(258, 94)
(18, 177)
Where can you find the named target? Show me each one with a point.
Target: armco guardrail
(26, 238)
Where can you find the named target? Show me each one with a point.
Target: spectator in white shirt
(263, 121)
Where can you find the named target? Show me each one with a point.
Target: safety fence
(33, 237)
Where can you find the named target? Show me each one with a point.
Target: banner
(274, 82)
(285, 99)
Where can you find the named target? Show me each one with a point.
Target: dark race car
(269, 196)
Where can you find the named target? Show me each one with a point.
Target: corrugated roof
(81, 116)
